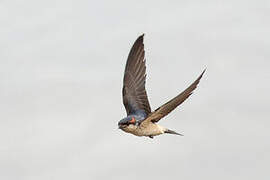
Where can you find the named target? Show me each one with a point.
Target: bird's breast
(149, 130)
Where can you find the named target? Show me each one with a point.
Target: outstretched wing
(134, 94)
(172, 104)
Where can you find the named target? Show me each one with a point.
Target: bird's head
(127, 121)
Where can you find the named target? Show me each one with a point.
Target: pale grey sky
(61, 71)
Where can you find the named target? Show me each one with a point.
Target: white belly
(150, 130)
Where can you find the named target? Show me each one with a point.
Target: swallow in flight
(140, 120)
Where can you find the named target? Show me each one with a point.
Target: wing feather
(173, 103)
(134, 93)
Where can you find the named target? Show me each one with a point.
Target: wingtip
(202, 73)
(204, 70)
(140, 39)
(141, 36)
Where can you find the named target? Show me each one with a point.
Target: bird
(140, 120)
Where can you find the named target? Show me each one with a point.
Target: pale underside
(149, 129)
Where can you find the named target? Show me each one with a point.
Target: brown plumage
(140, 121)
(134, 93)
(166, 108)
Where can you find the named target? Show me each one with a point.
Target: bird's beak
(122, 126)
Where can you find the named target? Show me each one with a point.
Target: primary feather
(134, 93)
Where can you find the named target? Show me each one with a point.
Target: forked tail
(172, 132)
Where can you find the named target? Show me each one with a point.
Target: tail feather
(172, 132)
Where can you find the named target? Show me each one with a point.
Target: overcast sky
(61, 71)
